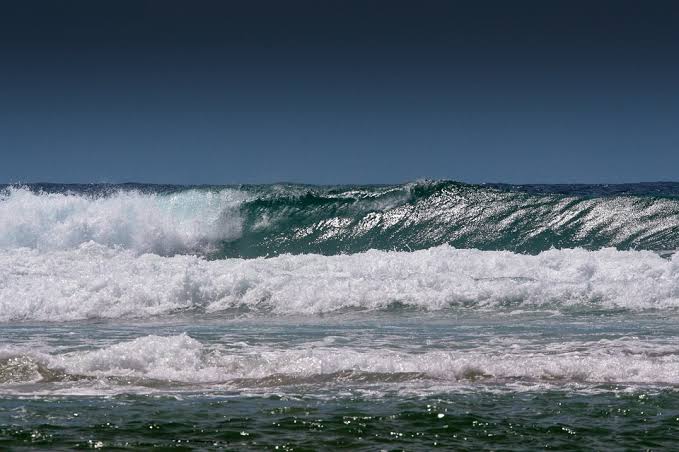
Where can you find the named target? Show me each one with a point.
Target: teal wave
(266, 220)
(299, 219)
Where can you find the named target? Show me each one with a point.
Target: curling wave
(252, 221)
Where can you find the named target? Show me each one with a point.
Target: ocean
(377, 317)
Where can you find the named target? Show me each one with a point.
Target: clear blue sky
(339, 92)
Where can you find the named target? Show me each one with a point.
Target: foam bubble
(94, 281)
(191, 220)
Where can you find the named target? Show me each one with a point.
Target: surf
(97, 282)
(253, 221)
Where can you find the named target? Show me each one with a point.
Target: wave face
(251, 221)
(95, 282)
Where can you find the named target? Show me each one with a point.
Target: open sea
(294, 317)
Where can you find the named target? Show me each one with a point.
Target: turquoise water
(368, 318)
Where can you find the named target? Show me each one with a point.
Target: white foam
(184, 359)
(191, 220)
(94, 281)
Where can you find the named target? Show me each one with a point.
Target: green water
(608, 419)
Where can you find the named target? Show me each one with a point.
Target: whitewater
(94, 282)
(388, 309)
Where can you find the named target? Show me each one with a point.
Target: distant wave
(251, 221)
(94, 281)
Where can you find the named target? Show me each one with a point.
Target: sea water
(431, 314)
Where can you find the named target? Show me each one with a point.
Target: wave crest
(252, 221)
(188, 221)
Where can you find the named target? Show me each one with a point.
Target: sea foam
(182, 358)
(188, 221)
(94, 281)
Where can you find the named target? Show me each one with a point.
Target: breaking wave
(251, 221)
(151, 360)
(187, 221)
(94, 281)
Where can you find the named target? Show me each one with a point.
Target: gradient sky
(339, 91)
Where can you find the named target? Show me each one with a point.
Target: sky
(332, 92)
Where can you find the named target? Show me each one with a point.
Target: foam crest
(157, 357)
(165, 224)
(184, 359)
(93, 281)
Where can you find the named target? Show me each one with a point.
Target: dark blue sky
(339, 91)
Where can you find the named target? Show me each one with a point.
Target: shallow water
(395, 380)
(552, 419)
